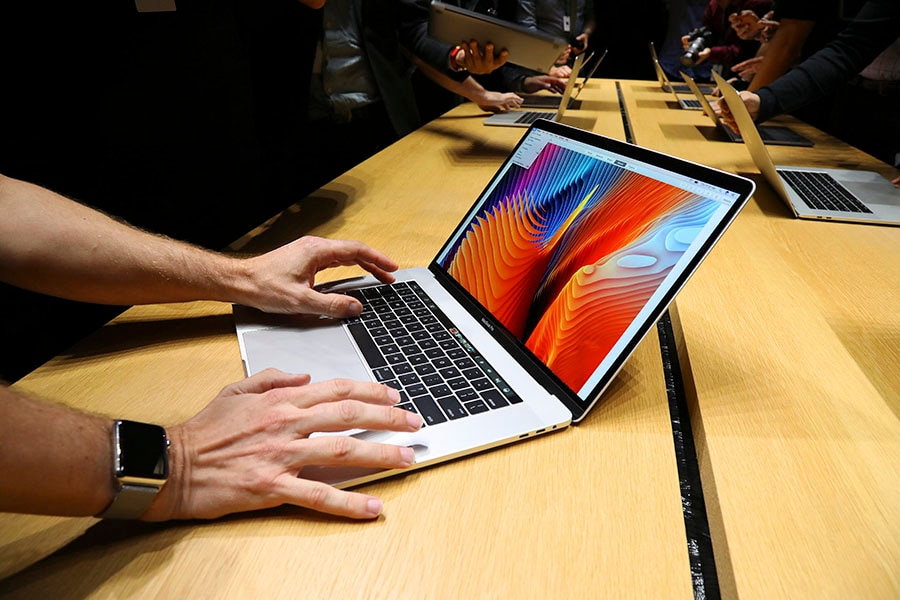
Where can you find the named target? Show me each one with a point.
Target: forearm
(54, 460)
(469, 88)
(56, 246)
(782, 52)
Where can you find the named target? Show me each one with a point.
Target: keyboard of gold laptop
(822, 192)
(411, 345)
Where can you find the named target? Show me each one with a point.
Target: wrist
(235, 282)
(457, 58)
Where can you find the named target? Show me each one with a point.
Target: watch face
(141, 450)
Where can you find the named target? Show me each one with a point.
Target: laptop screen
(576, 248)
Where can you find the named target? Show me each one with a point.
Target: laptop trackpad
(323, 349)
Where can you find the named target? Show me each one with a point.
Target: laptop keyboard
(822, 192)
(409, 344)
(530, 116)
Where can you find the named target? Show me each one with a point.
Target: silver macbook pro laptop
(524, 118)
(528, 48)
(774, 135)
(535, 301)
(665, 84)
(552, 101)
(815, 193)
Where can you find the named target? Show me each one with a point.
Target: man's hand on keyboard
(245, 449)
(283, 280)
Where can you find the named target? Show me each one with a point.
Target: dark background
(183, 123)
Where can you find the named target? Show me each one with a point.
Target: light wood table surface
(592, 511)
(791, 346)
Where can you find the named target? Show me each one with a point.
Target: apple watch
(140, 468)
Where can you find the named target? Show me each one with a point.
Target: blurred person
(571, 20)
(866, 54)
(724, 47)
(684, 15)
(804, 26)
(361, 93)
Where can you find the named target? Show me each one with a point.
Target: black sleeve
(412, 23)
(875, 27)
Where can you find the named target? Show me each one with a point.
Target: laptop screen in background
(573, 248)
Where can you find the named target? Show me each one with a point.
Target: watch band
(131, 502)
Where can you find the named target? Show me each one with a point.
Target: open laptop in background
(524, 118)
(816, 193)
(774, 135)
(528, 48)
(552, 101)
(537, 298)
(667, 85)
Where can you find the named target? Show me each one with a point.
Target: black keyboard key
(482, 384)
(464, 363)
(429, 409)
(458, 383)
(478, 406)
(467, 394)
(395, 359)
(494, 399)
(473, 373)
(449, 372)
(416, 389)
(432, 379)
(441, 362)
(383, 373)
(439, 391)
(456, 353)
(410, 350)
(409, 379)
(452, 408)
(425, 369)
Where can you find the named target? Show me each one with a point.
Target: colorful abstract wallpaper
(567, 252)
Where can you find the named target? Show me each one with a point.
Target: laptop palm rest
(324, 350)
